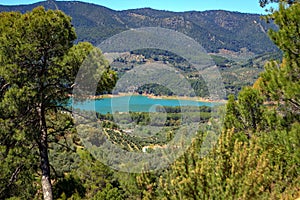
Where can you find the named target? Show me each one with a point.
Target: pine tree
(38, 67)
(281, 82)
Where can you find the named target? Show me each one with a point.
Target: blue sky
(246, 6)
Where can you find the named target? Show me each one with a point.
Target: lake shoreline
(199, 99)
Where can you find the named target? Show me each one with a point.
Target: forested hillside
(44, 155)
(234, 39)
(214, 30)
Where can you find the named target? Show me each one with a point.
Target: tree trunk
(45, 165)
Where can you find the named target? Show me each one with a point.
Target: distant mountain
(217, 31)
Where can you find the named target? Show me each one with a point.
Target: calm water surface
(134, 104)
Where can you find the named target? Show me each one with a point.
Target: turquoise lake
(137, 103)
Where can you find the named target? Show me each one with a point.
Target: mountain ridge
(215, 30)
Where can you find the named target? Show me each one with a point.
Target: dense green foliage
(257, 155)
(38, 67)
(31, 46)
